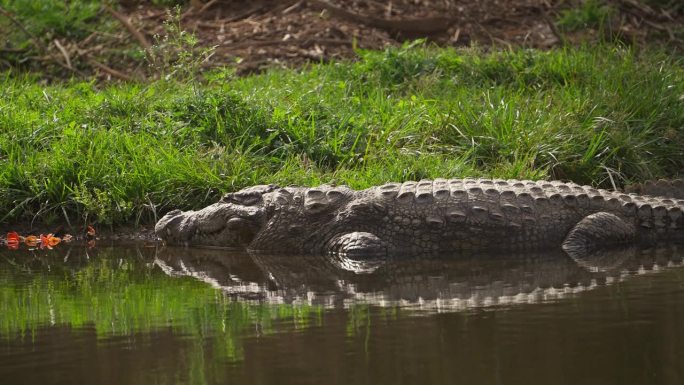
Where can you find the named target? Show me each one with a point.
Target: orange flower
(31, 241)
(90, 231)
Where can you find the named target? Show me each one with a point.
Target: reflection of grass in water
(120, 295)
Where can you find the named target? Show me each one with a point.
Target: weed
(130, 152)
(175, 55)
(589, 14)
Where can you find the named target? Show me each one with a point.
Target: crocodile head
(233, 222)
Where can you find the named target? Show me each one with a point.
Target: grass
(587, 14)
(61, 18)
(128, 153)
(43, 21)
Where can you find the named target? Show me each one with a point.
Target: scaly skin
(457, 215)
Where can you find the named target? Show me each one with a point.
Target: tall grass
(131, 152)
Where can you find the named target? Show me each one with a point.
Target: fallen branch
(293, 7)
(207, 6)
(13, 50)
(197, 8)
(61, 49)
(127, 24)
(109, 70)
(554, 29)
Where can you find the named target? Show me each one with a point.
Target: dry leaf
(13, 240)
(31, 241)
(54, 241)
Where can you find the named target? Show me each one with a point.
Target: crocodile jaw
(219, 225)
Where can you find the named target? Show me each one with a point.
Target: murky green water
(141, 315)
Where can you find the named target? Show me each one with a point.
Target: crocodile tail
(666, 188)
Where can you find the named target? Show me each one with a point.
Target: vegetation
(590, 13)
(130, 152)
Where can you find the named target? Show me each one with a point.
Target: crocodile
(431, 216)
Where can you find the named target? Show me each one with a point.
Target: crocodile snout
(172, 227)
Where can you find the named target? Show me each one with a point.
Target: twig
(292, 7)
(13, 50)
(207, 6)
(126, 23)
(109, 70)
(88, 39)
(64, 53)
(552, 26)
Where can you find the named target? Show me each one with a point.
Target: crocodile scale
(442, 215)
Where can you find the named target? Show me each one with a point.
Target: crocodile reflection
(431, 283)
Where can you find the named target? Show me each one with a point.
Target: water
(142, 315)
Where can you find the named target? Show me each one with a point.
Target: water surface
(142, 315)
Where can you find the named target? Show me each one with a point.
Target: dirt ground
(256, 34)
(251, 35)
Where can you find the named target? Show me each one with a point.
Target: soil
(263, 33)
(256, 34)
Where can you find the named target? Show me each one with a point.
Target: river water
(148, 315)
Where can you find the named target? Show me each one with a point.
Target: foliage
(57, 17)
(589, 14)
(32, 28)
(132, 152)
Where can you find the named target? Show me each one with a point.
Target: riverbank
(77, 152)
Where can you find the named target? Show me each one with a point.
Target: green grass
(587, 14)
(43, 21)
(124, 153)
(51, 17)
(29, 30)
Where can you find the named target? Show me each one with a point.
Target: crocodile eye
(248, 198)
